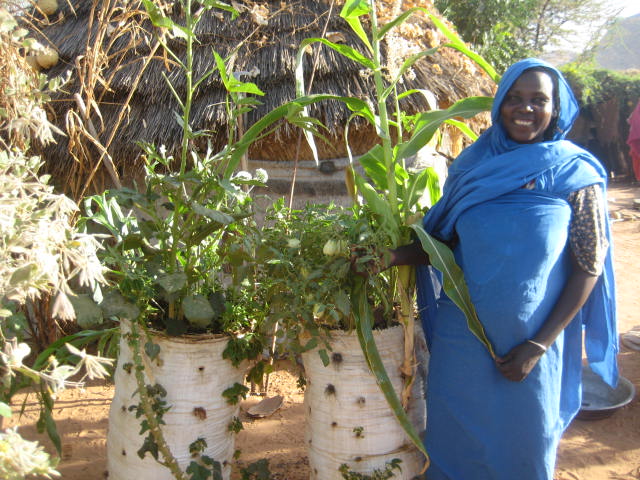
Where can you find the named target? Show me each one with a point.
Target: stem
(186, 134)
(406, 281)
(382, 113)
(154, 427)
(188, 72)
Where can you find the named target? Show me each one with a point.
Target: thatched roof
(268, 50)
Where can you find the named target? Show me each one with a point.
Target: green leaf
(441, 257)
(198, 311)
(324, 357)
(428, 123)
(406, 65)
(351, 12)
(156, 16)
(416, 186)
(289, 111)
(132, 241)
(198, 472)
(458, 44)
(175, 327)
(464, 128)
(399, 19)
(374, 167)
(215, 215)
(88, 313)
(46, 422)
(23, 274)
(380, 206)
(221, 6)
(172, 282)
(233, 394)
(115, 305)
(151, 349)
(180, 32)
(364, 321)
(5, 410)
(344, 50)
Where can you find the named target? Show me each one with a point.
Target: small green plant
(258, 470)
(359, 432)
(307, 272)
(378, 474)
(236, 425)
(235, 393)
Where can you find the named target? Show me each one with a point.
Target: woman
(525, 212)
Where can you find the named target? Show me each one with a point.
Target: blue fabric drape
(512, 247)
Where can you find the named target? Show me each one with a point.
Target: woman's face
(527, 108)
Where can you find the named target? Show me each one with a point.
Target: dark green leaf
(172, 282)
(441, 257)
(198, 311)
(324, 357)
(88, 313)
(373, 164)
(151, 349)
(175, 327)
(364, 322)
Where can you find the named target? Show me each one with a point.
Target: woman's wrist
(541, 347)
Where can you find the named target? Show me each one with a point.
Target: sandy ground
(590, 450)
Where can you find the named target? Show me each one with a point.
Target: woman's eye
(540, 101)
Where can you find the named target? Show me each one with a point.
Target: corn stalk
(391, 191)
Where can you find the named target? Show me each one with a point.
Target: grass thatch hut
(118, 96)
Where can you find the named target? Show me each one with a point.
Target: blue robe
(512, 245)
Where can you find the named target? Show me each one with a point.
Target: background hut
(117, 95)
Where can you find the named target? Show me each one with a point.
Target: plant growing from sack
(307, 274)
(393, 195)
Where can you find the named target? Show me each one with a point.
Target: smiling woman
(528, 109)
(525, 211)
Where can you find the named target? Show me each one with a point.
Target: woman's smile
(527, 109)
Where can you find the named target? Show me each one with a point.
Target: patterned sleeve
(587, 232)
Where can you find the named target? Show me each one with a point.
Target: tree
(504, 31)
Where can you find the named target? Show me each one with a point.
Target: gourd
(48, 7)
(47, 58)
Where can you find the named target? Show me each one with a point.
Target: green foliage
(41, 249)
(156, 395)
(236, 425)
(205, 469)
(307, 272)
(235, 393)
(378, 474)
(180, 247)
(258, 470)
(504, 31)
(593, 86)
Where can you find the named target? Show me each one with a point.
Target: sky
(630, 7)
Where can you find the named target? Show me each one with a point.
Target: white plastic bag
(194, 374)
(348, 420)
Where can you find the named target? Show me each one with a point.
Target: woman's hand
(365, 263)
(519, 362)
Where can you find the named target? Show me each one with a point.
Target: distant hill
(620, 47)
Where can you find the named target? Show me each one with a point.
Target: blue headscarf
(495, 165)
